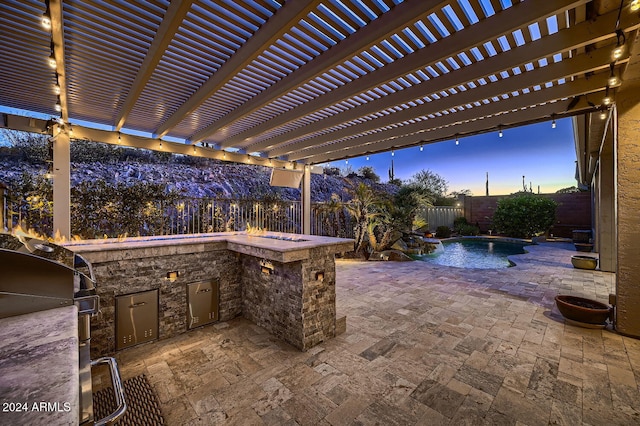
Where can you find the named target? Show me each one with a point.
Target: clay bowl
(584, 262)
(583, 310)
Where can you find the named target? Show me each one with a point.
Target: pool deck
(425, 345)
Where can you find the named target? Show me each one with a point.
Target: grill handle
(117, 389)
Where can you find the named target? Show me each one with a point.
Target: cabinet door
(202, 303)
(136, 318)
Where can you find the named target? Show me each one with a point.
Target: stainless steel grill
(38, 275)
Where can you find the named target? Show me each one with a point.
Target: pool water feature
(474, 253)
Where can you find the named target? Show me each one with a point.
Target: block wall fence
(573, 212)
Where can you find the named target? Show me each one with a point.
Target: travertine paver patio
(424, 345)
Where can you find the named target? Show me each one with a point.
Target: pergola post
(306, 201)
(605, 202)
(628, 206)
(62, 185)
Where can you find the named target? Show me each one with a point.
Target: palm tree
(364, 206)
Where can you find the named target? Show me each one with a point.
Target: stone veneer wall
(146, 269)
(291, 303)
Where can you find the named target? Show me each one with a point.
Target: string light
(393, 153)
(457, 141)
(160, 143)
(500, 133)
(119, 138)
(58, 106)
(346, 161)
(634, 5)
(70, 130)
(421, 148)
(367, 158)
(553, 122)
(603, 115)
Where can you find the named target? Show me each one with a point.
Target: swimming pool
(472, 253)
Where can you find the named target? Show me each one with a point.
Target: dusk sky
(545, 156)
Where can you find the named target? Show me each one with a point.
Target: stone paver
(425, 345)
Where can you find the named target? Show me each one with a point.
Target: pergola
(299, 83)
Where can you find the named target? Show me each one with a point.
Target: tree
(432, 185)
(367, 172)
(524, 215)
(568, 190)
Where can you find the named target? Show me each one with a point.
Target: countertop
(281, 247)
(39, 368)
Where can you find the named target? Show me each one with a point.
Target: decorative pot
(584, 247)
(584, 262)
(583, 310)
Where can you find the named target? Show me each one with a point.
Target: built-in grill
(38, 275)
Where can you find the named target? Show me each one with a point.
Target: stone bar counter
(282, 282)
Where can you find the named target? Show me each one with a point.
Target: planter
(584, 247)
(584, 262)
(583, 310)
(581, 235)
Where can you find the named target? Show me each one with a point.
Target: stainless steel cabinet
(202, 303)
(136, 318)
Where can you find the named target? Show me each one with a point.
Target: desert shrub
(524, 215)
(459, 222)
(443, 232)
(467, 230)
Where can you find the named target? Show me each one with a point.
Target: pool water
(480, 254)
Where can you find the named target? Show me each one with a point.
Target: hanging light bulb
(603, 115)
(457, 141)
(346, 161)
(46, 18)
(194, 149)
(367, 158)
(500, 133)
(618, 51)
(553, 123)
(393, 153)
(421, 148)
(56, 89)
(70, 130)
(52, 61)
(58, 106)
(119, 138)
(607, 100)
(160, 143)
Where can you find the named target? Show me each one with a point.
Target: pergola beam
(171, 22)
(503, 22)
(575, 66)
(510, 113)
(287, 16)
(572, 38)
(387, 24)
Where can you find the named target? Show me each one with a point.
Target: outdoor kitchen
(152, 288)
(284, 283)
